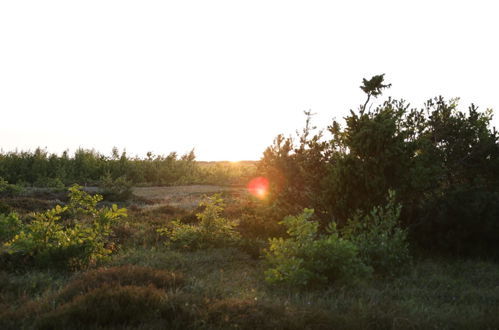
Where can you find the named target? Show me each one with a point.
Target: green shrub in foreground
(10, 224)
(382, 243)
(306, 259)
(79, 240)
(212, 231)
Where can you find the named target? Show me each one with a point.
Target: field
(386, 220)
(145, 284)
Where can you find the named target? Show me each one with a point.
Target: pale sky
(225, 77)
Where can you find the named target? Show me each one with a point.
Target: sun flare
(259, 187)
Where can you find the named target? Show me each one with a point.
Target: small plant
(306, 259)
(7, 189)
(119, 189)
(75, 242)
(212, 230)
(381, 241)
(10, 224)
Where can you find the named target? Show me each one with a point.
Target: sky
(225, 77)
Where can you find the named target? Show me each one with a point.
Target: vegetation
(441, 161)
(75, 242)
(212, 230)
(88, 167)
(382, 243)
(305, 259)
(391, 222)
(7, 189)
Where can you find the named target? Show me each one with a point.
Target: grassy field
(147, 285)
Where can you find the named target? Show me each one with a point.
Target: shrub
(7, 189)
(442, 161)
(78, 241)
(10, 224)
(305, 259)
(119, 189)
(261, 222)
(382, 243)
(212, 230)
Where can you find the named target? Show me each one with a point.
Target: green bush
(382, 243)
(10, 224)
(119, 189)
(212, 230)
(75, 242)
(7, 189)
(306, 259)
(442, 161)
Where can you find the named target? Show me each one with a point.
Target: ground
(224, 288)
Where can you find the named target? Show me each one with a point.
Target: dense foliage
(443, 163)
(306, 259)
(7, 189)
(382, 243)
(211, 231)
(71, 236)
(371, 242)
(42, 169)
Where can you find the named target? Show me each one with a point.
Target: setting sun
(259, 187)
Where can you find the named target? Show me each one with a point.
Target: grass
(145, 285)
(443, 294)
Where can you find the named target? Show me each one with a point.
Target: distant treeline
(43, 169)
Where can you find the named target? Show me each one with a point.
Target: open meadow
(147, 284)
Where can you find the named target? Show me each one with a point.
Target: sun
(259, 187)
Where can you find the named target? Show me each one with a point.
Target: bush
(381, 242)
(212, 231)
(10, 224)
(79, 240)
(119, 189)
(442, 161)
(305, 259)
(7, 189)
(462, 221)
(260, 222)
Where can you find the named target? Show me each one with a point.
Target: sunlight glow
(259, 187)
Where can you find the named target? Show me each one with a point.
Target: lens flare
(259, 187)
